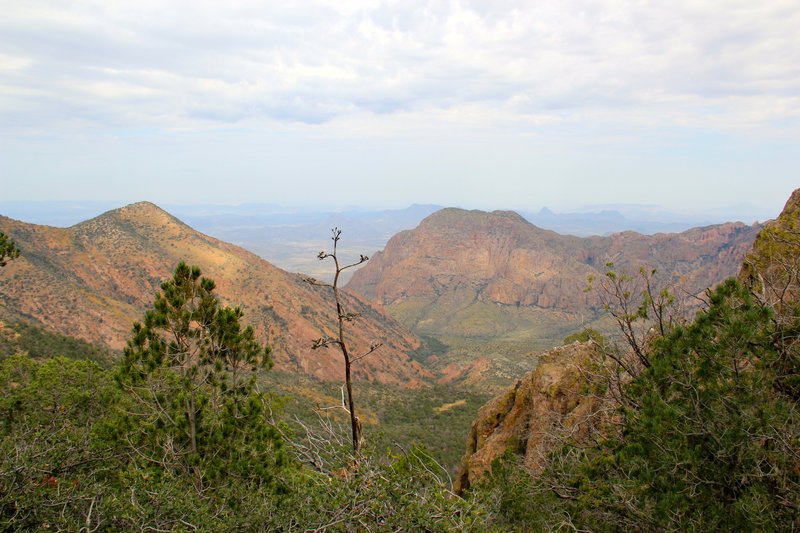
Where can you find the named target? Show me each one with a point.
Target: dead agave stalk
(343, 317)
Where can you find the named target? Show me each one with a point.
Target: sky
(690, 105)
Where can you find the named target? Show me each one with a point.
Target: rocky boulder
(531, 414)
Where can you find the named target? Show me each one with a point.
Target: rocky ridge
(772, 266)
(473, 273)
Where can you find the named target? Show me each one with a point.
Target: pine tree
(8, 250)
(189, 372)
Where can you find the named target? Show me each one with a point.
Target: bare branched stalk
(642, 313)
(343, 317)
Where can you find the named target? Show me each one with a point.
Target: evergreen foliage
(713, 444)
(51, 467)
(8, 249)
(707, 439)
(189, 375)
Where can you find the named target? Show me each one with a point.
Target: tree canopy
(705, 437)
(8, 249)
(189, 371)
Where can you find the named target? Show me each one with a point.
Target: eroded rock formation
(472, 273)
(528, 417)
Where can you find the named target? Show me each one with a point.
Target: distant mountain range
(290, 238)
(495, 275)
(94, 279)
(608, 221)
(459, 277)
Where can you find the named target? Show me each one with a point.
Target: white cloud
(316, 61)
(454, 76)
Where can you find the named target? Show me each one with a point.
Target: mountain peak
(141, 210)
(481, 275)
(144, 218)
(459, 217)
(511, 215)
(142, 206)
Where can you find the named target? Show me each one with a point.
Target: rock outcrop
(528, 416)
(772, 267)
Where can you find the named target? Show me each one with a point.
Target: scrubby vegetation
(69, 461)
(699, 428)
(21, 337)
(702, 432)
(436, 416)
(180, 436)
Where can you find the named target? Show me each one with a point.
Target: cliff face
(450, 274)
(528, 416)
(94, 279)
(772, 267)
(493, 252)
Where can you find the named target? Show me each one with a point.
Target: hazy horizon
(66, 213)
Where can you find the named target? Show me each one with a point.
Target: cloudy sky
(688, 104)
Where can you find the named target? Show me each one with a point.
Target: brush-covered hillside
(94, 279)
